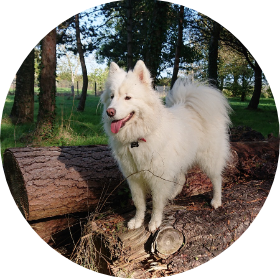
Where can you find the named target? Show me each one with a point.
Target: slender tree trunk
(72, 74)
(221, 86)
(235, 85)
(23, 107)
(46, 115)
(254, 102)
(213, 54)
(81, 106)
(129, 35)
(243, 95)
(178, 47)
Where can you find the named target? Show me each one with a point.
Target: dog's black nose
(111, 112)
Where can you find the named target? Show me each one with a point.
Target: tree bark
(254, 102)
(48, 184)
(46, 115)
(213, 54)
(81, 106)
(57, 231)
(201, 234)
(178, 46)
(23, 107)
(54, 181)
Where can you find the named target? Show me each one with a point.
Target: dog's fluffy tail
(205, 100)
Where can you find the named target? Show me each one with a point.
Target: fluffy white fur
(191, 129)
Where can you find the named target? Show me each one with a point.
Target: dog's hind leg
(213, 165)
(214, 172)
(178, 185)
(138, 193)
(217, 191)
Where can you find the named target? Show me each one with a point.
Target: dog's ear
(113, 68)
(142, 72)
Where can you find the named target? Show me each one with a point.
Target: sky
(90, 59)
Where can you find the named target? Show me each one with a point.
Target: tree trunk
(23, 107)
(254, 102)
(54, 187)
(178, 47)
(244, 88)
(221, 86)
(54, 181)
(49, 229)
(235, 85)
(129, 35)
(46, 115)
(213, 54)
(191, 234)
(81, 106)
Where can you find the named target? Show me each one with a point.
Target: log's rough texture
(46, 228)
(53, 181)
(49, 183)
(206, 233)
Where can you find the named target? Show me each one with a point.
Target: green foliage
(154, 34)
(164, 82)
(99, 77)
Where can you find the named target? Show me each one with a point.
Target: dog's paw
(134, 223)
(153, 225)
(216, 203)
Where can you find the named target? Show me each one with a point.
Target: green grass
(76, 128)
(63, 90)
(72, 127)
(264, 120)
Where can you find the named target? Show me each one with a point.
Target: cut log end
(167, 241)
(16, 182)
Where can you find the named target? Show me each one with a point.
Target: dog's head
(115, 77)
(129, 102)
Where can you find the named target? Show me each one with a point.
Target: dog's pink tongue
(115, 126)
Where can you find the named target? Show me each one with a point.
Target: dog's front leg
(160, 197)
(138, 193)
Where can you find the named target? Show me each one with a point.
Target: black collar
(136, 144)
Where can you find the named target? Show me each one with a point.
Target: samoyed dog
(155, 145)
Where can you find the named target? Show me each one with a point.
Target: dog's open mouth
(118, 124)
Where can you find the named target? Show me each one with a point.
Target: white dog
(155, 145)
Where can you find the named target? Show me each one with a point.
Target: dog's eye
(127, 97)
(112, 96)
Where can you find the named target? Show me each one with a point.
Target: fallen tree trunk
(49, 183)
(54, 181)
(191, 234)
(249, 160)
